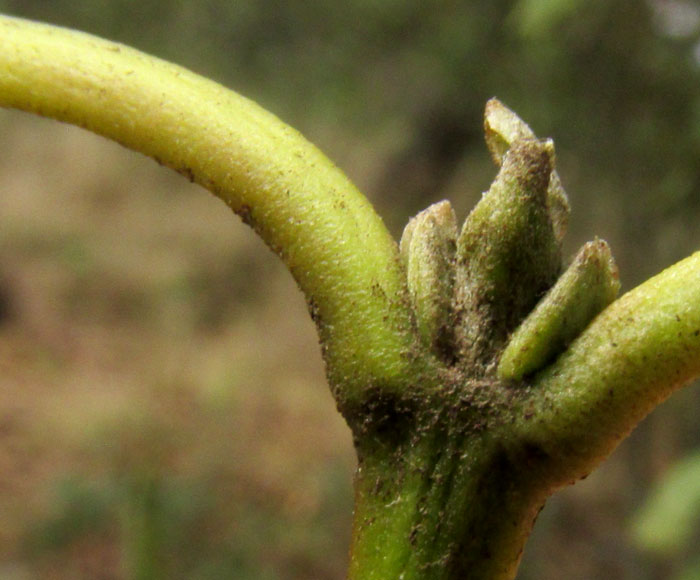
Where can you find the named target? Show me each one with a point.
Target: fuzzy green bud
(507, 253)
(502, 128)
(428, 251)
(582, 292)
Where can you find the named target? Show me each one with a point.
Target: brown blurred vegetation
(151, 340)
(163, 401)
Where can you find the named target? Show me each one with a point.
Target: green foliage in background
(668, 523)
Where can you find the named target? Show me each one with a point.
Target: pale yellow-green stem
(640, 349)
(304, 208)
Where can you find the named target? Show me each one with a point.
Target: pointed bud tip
(530, 161)
(502, 128)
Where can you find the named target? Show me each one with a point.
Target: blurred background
(163, 410)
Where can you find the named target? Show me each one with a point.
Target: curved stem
(304, 208)
(633, 355)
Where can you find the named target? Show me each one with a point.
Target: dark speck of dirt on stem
(245, 213)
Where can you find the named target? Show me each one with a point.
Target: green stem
(305, 209)
(448, 503)
(452, 490)
(637, 352)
